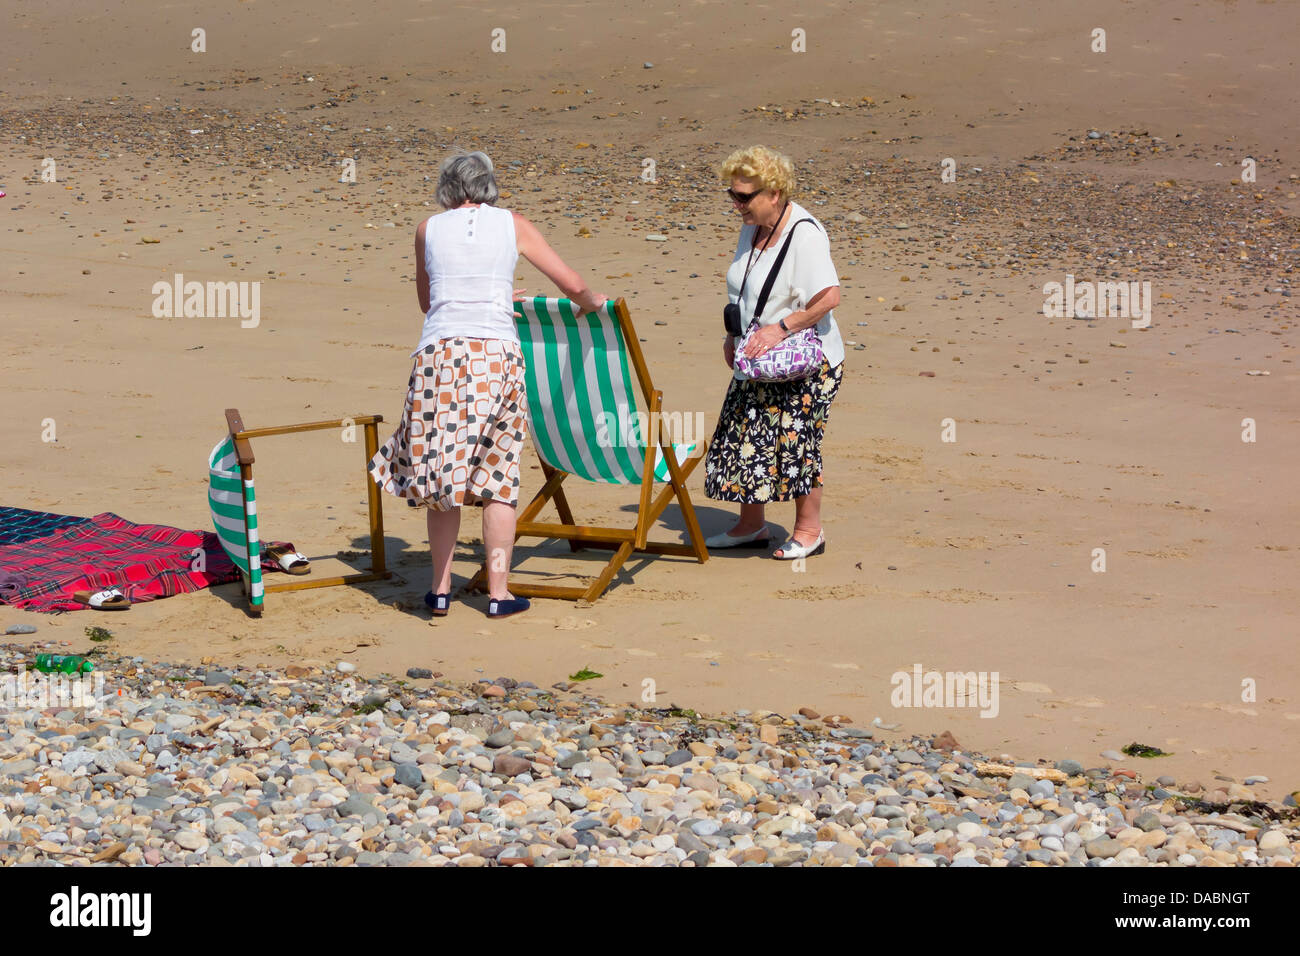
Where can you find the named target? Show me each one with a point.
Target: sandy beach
(973, 554)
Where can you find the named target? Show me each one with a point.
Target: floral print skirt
(768, 443)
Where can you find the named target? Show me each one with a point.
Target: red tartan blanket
(145, 561)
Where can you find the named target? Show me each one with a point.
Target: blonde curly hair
(773, 170)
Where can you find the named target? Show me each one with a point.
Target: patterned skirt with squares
(462, 429)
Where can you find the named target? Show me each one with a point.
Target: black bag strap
(771, 275)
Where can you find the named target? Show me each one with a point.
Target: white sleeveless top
(470, 255)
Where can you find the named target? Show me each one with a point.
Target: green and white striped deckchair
(582, 409)
(583, 376)
(234, 516)
(234, 504)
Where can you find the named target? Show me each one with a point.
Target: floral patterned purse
(796, 356)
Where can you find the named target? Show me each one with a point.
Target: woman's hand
(729, 351)
(763, 340)
(590, 301)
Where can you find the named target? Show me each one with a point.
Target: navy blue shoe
(439, 604)
(507, 607)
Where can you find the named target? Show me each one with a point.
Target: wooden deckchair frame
(241, 436)
(623, 541)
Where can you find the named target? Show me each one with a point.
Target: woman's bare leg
(750, 520)
(807, 517)
(444, 526)
(499, 541)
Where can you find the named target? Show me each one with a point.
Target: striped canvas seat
(582, 411)
(584, 375)
(234, 516)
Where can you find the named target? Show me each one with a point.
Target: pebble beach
(300, 767)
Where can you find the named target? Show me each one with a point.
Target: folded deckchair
(233, 503)
(584, 421)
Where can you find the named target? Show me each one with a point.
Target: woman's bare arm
(421, 274)
(825, 300)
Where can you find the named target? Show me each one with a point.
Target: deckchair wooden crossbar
(657, 459)
(241, 437)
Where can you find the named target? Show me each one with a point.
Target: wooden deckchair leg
(648, 473)
(677, 481)
(561, 505)
(599, 585)
(376, 503)
(478, 581)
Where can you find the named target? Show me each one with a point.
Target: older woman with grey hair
(463, 425)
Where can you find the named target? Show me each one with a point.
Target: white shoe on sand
(792, 549)
(757, 539)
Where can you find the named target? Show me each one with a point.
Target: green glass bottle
(63, 664)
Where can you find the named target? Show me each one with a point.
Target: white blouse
(807, 270)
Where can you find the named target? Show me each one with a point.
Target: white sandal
(293, 562)
(792, 549)
(109, 599)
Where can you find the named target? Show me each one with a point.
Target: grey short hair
(466, 177)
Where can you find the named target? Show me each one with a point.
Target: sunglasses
(742, 198)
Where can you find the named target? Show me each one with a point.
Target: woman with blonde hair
(462, 428)
(781, 282)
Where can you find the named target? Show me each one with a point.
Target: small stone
(1102, 848)
(189, 839)
(1071, 768)
(1113, 755)
(419, 673)
(408, 775)
(22, 629)
(945, 741)
(511, 766)
(678, 757)
(1273, 840)
(346, 667)
(1020, 781)
(1147, 821)
(354, 805)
